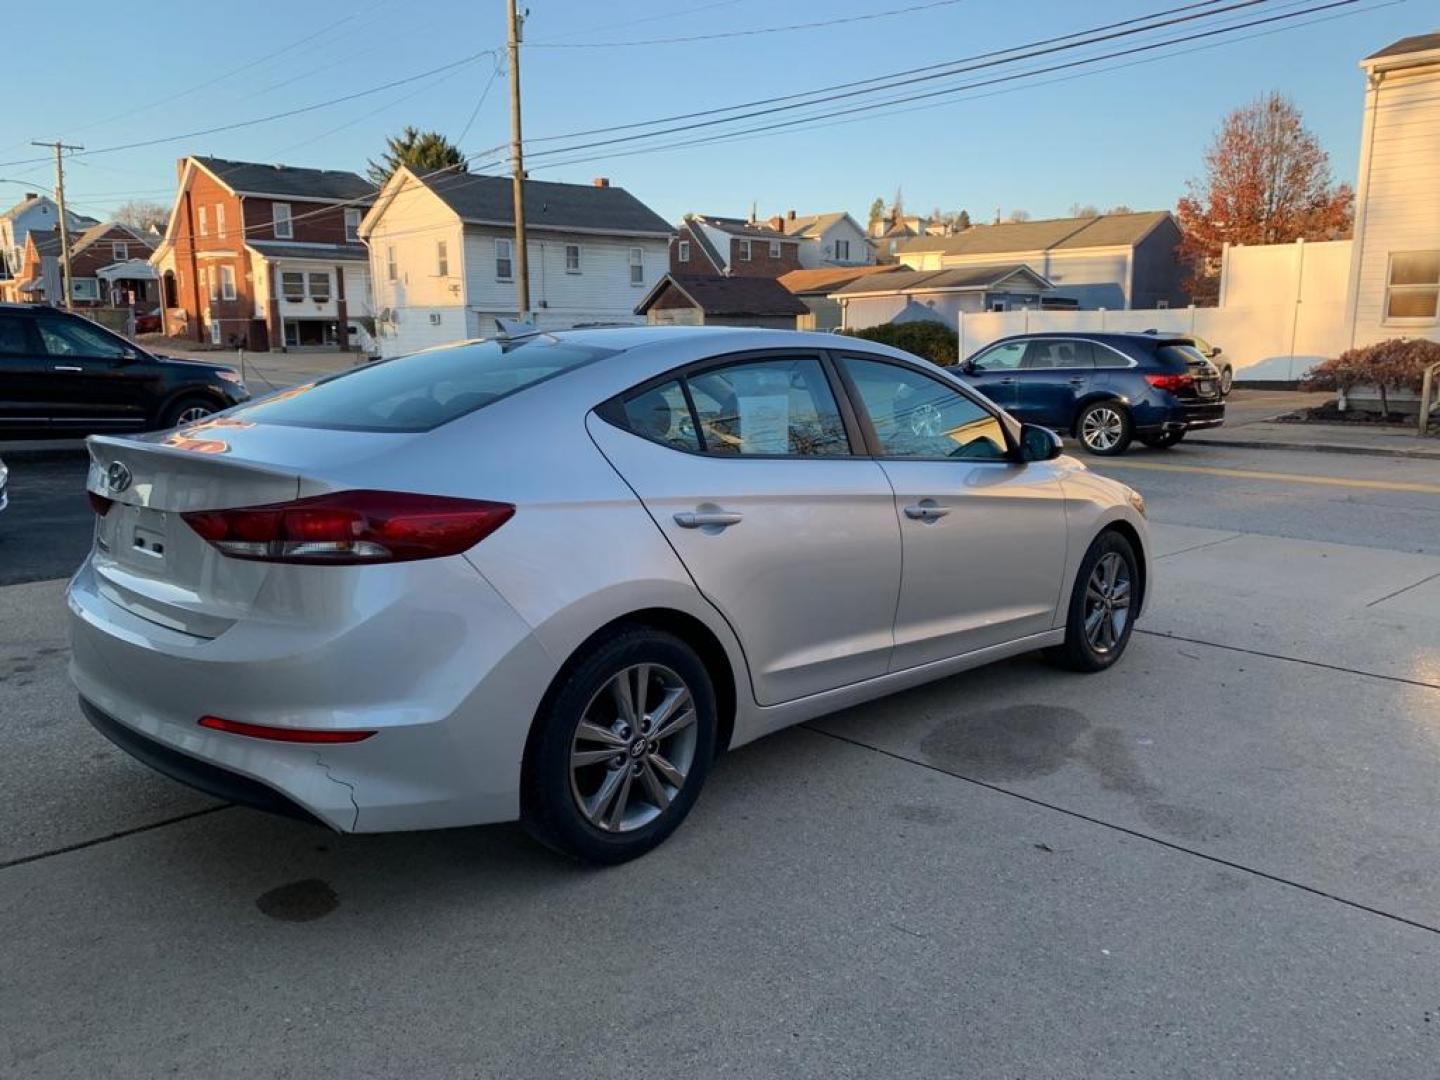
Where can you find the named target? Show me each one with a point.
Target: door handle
(699, 519)
(66, 367)
(926, 511)
(1006, 381)
(1079, 380)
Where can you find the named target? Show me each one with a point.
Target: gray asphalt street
(1216, 859)
(46, 531)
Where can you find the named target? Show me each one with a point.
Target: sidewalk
(1250, 423)
(267, 371)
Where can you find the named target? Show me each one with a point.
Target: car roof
(1101, 335)
(717, 338)
(30, 309)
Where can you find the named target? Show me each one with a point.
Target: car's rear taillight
(1173, 383)
(351, 527)
(99, 503)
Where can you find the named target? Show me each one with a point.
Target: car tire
(186, 411)
(1164, 440)
(1227, 380)
(1100, 617)
(1104, 428)
(586, 790)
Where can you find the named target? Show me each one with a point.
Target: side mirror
(967, 367)
(1039, 443)
(129, 356)
(1215, 350)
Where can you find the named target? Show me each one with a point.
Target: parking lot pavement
(1215, 859)
(46, 531)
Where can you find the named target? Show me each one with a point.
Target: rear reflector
(99, 503)
(280, 734)
(351, 527)
(1171, 382)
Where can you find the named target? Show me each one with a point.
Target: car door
(1054, 374)
(748, 468)
(24, 377)
(983, 535)
(992, 371)
(98, 382)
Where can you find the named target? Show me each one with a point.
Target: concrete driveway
(1216, 859)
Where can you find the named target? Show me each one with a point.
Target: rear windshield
(1180, 356)
(424, 390)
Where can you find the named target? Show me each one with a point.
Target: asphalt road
(46, 531)
(1216, 859)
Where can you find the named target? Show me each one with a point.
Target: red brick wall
(311, 222)
(698, 263)
(194, 253)
(760, 263)
(100, 253)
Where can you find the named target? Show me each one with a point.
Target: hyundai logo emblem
(117, 476)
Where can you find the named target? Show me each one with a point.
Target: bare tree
(1267, 181)
(1019, 215)
(143, 215)
(1083, 210)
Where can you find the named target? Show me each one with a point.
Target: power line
(882, 78)
(273, 116)
(809, 120)
(647, 19)
(494, 74)
(893, 83)
(754, 32)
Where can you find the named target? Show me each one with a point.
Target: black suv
(61, 374)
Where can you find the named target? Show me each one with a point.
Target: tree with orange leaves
(1267, 181)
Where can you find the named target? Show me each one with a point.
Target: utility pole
(517, 158)
(60, 148)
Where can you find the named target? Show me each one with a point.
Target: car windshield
(423, 390)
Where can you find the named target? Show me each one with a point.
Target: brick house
(266, 256)
(108, 267)
(731, 247)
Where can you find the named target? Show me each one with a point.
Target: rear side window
(780, 407)
(662, 415)
(424, 390)
(1106, 357)
(1054, 354)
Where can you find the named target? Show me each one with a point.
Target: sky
(1114, 132)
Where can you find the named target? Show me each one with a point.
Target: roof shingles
(488, 199)
(1101, 230)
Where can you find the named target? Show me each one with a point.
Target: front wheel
(1104, 428)
(621, 748)
(1227, 380)
(1164, 440)
(1102, 606)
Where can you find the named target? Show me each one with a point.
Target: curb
(1323, 448)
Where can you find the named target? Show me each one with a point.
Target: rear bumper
(193, 772)
(1185, 417)
(440, 667)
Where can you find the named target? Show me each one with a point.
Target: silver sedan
(550, 577)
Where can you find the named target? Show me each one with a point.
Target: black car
(1105, 389)
(61, 374)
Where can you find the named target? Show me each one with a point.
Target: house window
(1413, 291)
(999, 305)
(292, 286)
(212, 279)
(391, 272)
(774, 249)
(280, 219)
(442, 258)
(842, 250)
(352, 223)
(227, 283)
(220, 220)
(744, 250)
(637, 266)
(120, 252)
(684, 250)
(504, 259)
(204, 221)
(320, 287)
(572, 258)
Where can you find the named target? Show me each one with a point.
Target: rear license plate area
(139, 537)
(1205, 387)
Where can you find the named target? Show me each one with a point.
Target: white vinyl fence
(1277, 342)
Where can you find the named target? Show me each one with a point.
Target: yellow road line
(1278, 477)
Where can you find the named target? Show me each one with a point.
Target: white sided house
(827, 240)
(442, 256)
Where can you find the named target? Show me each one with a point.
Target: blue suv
(1104, 389)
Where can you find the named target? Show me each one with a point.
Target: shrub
(933, 340)
(1397, 364)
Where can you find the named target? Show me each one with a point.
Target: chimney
(777, 223)
(790, 214)
(30, 195)
(602, 181)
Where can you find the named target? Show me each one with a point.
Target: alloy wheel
(1102, 428)
(1107, 603)
(633, 748)
(192, 414)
